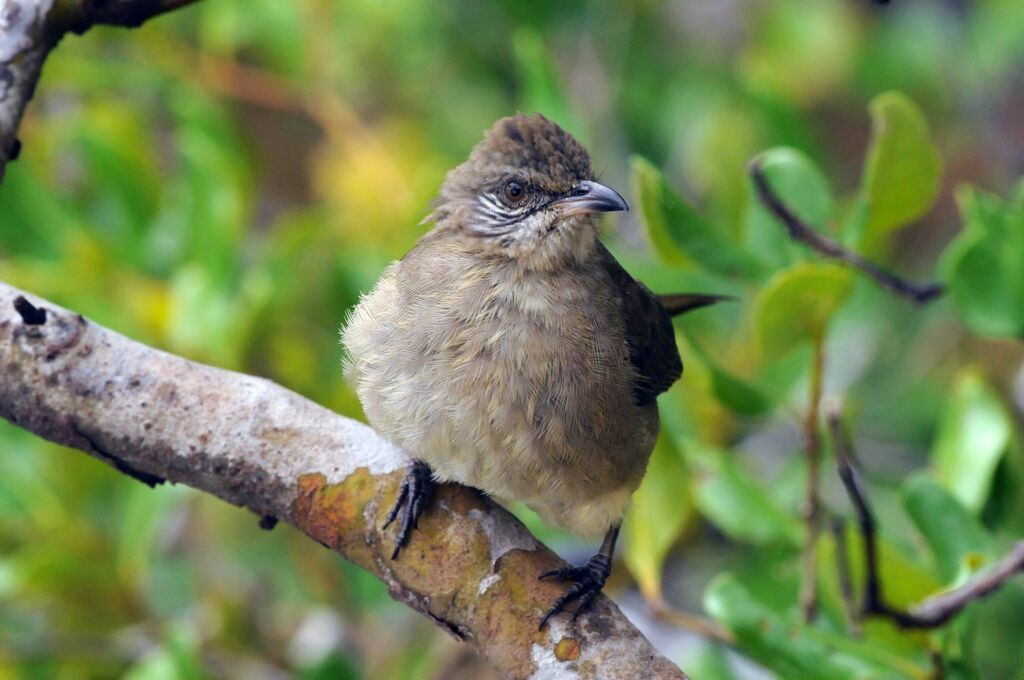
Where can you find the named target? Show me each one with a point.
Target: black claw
(585, 601)
(588, 581)
(565, 573)
(399, 504)
(413, 499)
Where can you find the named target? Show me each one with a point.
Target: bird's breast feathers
(515, 383)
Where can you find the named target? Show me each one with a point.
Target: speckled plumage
(521, 360)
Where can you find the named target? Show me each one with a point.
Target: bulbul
(509, 351)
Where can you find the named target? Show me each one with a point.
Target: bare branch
(811, 237)
(471, 568)
(691, 622)
(936, 610)
(29, 29)
(838, 528)
(939, 609)
(812, 494)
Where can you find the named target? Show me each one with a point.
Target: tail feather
(680, 303)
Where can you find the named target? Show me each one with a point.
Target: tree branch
(471, 568)
(838, 527)
(812, 493)
(936, 610)
(29, 29)
(811, 237)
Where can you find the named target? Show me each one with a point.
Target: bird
(509, 351)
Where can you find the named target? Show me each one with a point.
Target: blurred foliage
(225, 181)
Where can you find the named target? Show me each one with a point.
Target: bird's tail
(680, 303)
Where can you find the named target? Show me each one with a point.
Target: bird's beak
(590, 197)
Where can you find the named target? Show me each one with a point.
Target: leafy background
(224, 181)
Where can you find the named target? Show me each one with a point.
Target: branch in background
(812, 495)
(81, 15)
(691, 622)
(811, 237)
(937, 610)
(838, 528)
(31, 28)
(471, 568)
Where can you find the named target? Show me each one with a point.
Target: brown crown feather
(537, 145)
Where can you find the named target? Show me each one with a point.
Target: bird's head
(526, 192)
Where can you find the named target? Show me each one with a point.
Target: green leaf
(793, 649)
(711, 663)
(953, 534)
(902, 170)
(34, 223)
(679, 234)
(737, 395)
(177, 656)
(143, 517)
(795, 305)
(657, 515)
(207, 205)
(973, 436)
(155, 664)
(984, 264)
(269, 33)
(121, 175)
(334, 666)
(798, 182)
(735, 503)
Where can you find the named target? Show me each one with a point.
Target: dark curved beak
(591, 197)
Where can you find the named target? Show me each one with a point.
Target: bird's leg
(588, 580)
(413, 498)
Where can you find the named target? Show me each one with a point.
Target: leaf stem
(850, 612)
(812, 501)
(697, 624)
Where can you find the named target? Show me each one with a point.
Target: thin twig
(936, 610)
(838, 527)
(811, 237)
(812, 502)
(865, 518)
(664, 611)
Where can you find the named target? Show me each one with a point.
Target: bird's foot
(588, 581)
(413, 498)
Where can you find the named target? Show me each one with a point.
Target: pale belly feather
(522, 389)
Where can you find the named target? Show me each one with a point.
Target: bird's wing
(652, 341)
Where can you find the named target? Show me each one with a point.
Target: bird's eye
(514, 192)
